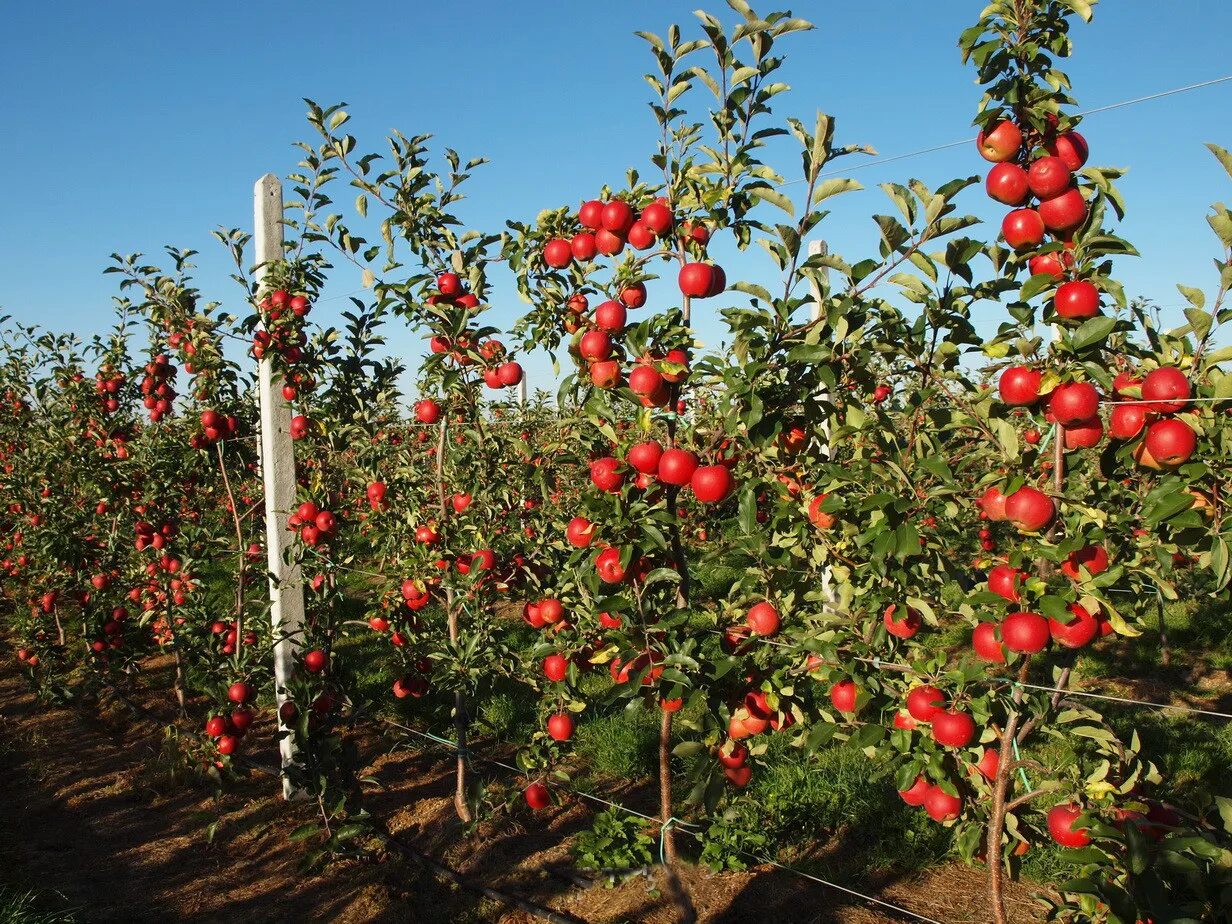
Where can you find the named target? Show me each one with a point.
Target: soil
(94, 815)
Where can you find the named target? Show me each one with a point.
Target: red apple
(1170, 442)
(1076, 300)
(1007, 183)
(1019, 386)
(711, 483)
(1168, 388)
(1000, 142)
(1064, 212)
(1048, 177)
(1030, 509)
(1026, 633)
(1023, 229)
(953, 728)
(924, 702)
(1061, 819)
(763, 619)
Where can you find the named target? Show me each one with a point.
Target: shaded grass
(19, 905)
(834, 797)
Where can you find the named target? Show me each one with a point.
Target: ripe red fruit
(583, 246)
(916, 794)
(1003, 581)
(1168, 387)
(510, 373)
(645, 381)
(315, 661)
(536, 795)
(843, 695)
(739, 776)
(618, 217)
(1073, 402)
(1170, 442)
(595, 345)
(633, 295)
(608, 567)
(697, 279)
(605, 474)
(924, 702)
(228, 744)
(1007, 183)
(1051, 264)
(427, 411)
(1064, 212)
(1071, 147)
(557, 253)
(734, 756)
(1076, 633)
(1076, 300)
(711, 483)
(818, 517)
(644, 457)
(1019, 386)
(216, 726)
(1084, 434)
(1023, 229)
(1000, 142)
(1061, 819)
(591, 214)
(676, 466)
(658, 218)
(605, 373)
(1030, 509)
(241, 719)
(953, 728)
(610, 316)
(580, 532)
(941, 806)
(551, 611)
(986, 644)
(1026, 633)
(560, 726)
(906, 626)
(1048, 177)
(640, 237)
(1126, 421)
(1091, 557)
(608, 242)
(992, 503)
(763, 619)
(989, 763)
(240, 692)
(555, 667)
(449, 284)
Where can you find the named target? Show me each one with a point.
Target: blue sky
(133, 124)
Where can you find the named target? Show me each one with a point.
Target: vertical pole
(522, 391)
(278, 473)
(816, 248)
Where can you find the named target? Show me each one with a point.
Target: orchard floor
(99, 828)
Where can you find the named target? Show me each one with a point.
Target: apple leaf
(834, 187)
(1092, 331)
(1223, 156)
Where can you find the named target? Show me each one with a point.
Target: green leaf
(834, 187)
(774, 197)
(1092, 331)
(1222, 155)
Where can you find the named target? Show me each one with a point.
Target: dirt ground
(89, 814)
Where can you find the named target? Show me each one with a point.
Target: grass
(623, 745)
(833, 798)
(32, 906)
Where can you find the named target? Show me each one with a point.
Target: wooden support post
(278, 473)
(522, 391)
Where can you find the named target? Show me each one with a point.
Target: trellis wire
(690, 829)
